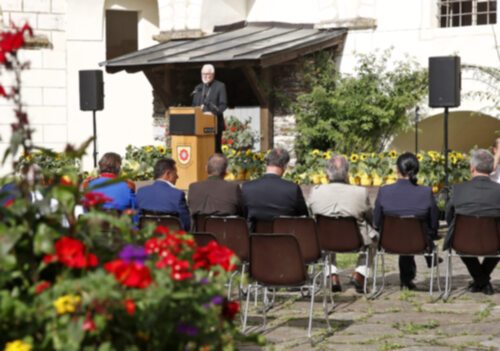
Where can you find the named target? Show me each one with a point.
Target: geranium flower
(3, 92)
(94, 199)
(132, 274)
(42, 286)
(129, 306)
(71, 253)
(213, 254)
(88, 324)
(230, 309)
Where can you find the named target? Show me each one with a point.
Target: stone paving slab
(397, 320)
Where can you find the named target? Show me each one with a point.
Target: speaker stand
(95, 139)
(445, 127)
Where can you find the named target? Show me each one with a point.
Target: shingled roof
(262, 44)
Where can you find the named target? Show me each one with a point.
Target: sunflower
(363, 157)
(315, 152)
(354, 158)
(161, 149)
(393, 154)
(224, 148)
(420, 157)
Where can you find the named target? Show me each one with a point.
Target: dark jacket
(213, 98)
(162, 197)
(271, 196)
(479, 196)
(215, 196)
(406, 199)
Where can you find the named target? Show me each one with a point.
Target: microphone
(196, 90)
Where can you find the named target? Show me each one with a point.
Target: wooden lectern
(193, 141)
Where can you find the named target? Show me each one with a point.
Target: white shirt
(495, 175)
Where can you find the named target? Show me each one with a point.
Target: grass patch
(484, 313)
(406, 295)
(390, 346)
(347, 260)
(415, 328)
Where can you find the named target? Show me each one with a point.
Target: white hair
(208, 68)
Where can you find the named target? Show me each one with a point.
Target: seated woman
(121, 193)
(406, 198)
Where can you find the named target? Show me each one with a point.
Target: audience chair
(276, 261)
(202, 239)
(263, 226)
(404, 235)
(473, 236)
(232, 232)
(340, 235)
(165, 219)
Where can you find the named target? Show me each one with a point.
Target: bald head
(217, 165)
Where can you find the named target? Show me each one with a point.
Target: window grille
(461, 13)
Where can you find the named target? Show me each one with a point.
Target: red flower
(66, 180)
(8, 203)
(93, 199)
(42, 286)
(71, 253)
(131, 274)
(230, 141)
(129, 306)
(223, 141)
(230, 309)
(213, 254)
(88, 324)
(233, 129)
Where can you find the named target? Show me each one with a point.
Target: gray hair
(482, 161)
(337, 169)
(208, 67)
(277, 157)
(217, 165)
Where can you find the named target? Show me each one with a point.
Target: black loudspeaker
(444, 81)
(91, 90)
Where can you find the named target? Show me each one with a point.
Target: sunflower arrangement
(139, 161)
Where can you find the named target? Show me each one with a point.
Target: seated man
(215, 196)
(271, 196)
(162, 195)
(479, 196)
(121, 193)
(339, 198)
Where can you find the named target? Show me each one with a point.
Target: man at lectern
(211, 96)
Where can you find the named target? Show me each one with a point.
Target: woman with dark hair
(121, 193)
(406, 198)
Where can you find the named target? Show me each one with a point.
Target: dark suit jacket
(162, 197)
(215, 196)
(477, 197)
(405, 199)
(213, 98)
(271, 196)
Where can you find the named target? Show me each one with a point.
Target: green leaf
(44, 239)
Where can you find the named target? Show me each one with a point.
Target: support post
(446, 173)
(416, 130)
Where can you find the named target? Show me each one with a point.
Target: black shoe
(358, 280)
(474, 288)
(436, 261)
(488, 289)
(408, 285)
(336, 287)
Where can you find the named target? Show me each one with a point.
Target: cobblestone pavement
(402, 320)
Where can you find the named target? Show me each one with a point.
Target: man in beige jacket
(339, 198)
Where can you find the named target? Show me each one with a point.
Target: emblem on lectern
(184, 154)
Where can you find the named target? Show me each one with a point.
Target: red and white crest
(184, 154)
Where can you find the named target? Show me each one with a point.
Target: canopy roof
(236, 45)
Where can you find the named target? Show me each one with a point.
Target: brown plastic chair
(263, 226)
(232, 232)
(202, 239)
(304, 229)
(340, 235)
(404, 235)
(165, 219)
(472, 236)
(276, 261)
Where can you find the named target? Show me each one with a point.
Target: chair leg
(375, 271)
(230, 284)
(365, 283)
(311, 311)
(245, 316)
(433, 262)
(447, 281)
